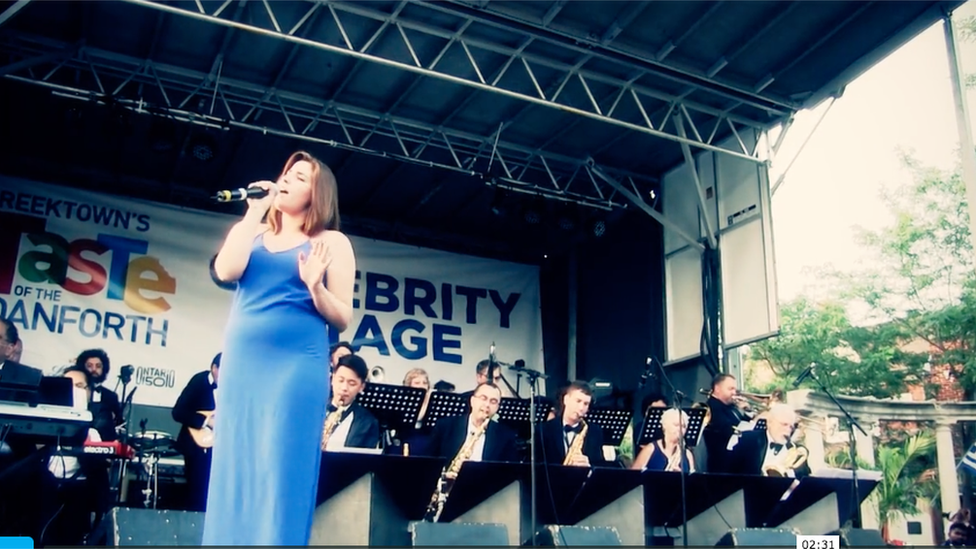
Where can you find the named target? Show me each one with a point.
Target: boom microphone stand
(532, 376)
(676, 398)
(855, 518)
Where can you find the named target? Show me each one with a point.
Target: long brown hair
(323, 212)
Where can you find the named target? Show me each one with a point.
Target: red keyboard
(113, 449)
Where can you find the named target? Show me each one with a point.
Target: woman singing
(295, 277)
(665, 454)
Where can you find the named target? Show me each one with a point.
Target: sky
(904, 102)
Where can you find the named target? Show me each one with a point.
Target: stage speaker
(425, 534)
(576, 536)
(759, 537)
(857, 537)
(123, 526)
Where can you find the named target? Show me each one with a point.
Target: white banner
(81, 270)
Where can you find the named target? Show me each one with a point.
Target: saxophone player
(771, 452)
(348, 424)
(497, 444)
(568, 439)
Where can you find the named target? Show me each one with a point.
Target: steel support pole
(966, 149)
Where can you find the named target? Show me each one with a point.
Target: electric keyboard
(114, 449)
(44, 422)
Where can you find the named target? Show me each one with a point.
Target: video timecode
(817, 542)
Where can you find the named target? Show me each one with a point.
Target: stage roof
(492, 127)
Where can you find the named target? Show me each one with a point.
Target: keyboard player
(74, 486)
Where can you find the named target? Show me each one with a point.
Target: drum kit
(150, 447)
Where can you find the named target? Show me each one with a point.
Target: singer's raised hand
(260, 206)
(312, 267)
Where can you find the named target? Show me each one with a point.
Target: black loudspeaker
(576, 536)
(123, 526)
(426, 534)
(857, 537)
(758, 537)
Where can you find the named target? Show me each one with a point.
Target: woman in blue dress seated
(665, 454)
(294, 273)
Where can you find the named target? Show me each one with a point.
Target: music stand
(443, 404)
(613, 423)
(652, 426)
(395, 406)
(514, 412)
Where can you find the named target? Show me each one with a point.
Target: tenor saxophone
(449, 473)
(576, 448)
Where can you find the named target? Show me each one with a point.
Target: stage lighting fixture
(599, 227)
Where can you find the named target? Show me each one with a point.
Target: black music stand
(395, 406)
(367, 499)
(813, 489)
(443, 404)
(652, 426)
(613, 423)
(514, 412)
(611, 497)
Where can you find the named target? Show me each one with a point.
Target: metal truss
(537, 79)
(147, 87)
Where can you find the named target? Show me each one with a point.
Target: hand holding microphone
(259, 193)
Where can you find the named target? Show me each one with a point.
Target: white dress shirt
(478, 452)
(337, 441)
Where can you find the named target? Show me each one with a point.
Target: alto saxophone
(786, 466)
(446, 480)
(576, 448)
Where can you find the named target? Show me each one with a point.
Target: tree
(903, 484)
(849, 359)
(922, 283)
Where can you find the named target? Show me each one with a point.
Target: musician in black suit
(105, 408)
(556, 436)
(348, 424)
(760, 450)
(11, 371)
(498, 443)
(725, 416)
(197, 396)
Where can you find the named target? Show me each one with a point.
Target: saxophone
(331, 422)
(576, 448)
(446, 480)
(794, 457)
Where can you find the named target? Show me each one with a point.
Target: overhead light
(601, 388)
(203, 147)
(599, 227)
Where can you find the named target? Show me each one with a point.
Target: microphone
(647, 372)
(238, 195)
(805, 374)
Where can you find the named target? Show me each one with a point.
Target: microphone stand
(532, 379)
(676, 398)
(855, 518)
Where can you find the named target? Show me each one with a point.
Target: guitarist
(195, 409)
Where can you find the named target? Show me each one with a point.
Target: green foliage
(851, 360)
(917, 300)
(922, 285)
(903, 484)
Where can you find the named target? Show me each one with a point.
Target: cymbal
(151, 440)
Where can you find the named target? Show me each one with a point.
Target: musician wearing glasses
(568, 439)
(665, 454)
(770, 452)
(348, 424)
(492, 441)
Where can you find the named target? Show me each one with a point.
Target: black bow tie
(570, 429)
(775, 447)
